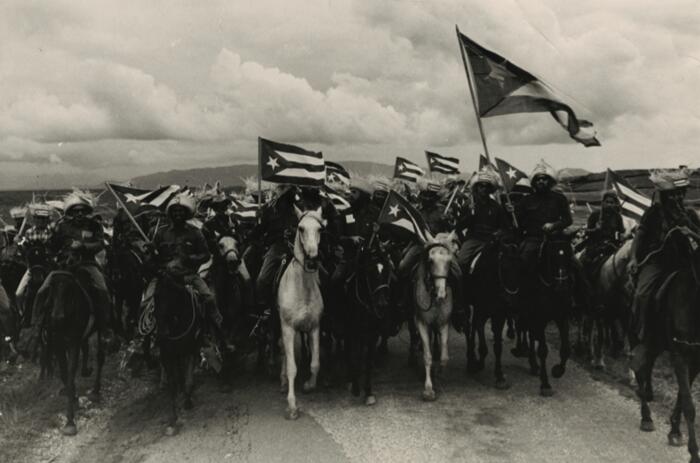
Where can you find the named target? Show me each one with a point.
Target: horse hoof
(188, 404)
(170, 431)
(69, 430)
(429, 396)
(675, 440)
(502, 385)
(86, 372)
(308, 387)
(647, 426)
(558, 371)
(292, 413)
(370, 400)
(546, 391)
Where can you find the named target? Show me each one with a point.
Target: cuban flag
(337, 173)
(132, 198)
(399, 214)
(407, 170)
(442, 164)
(244, 211)
(503, 88)
(282, 163)
(633, 203)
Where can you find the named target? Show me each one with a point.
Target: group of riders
(167, 242)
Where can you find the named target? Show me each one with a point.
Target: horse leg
(483, 348)
(428, 392)
(171, 377)
(383, 345)
(643, 375)
(497, 324)
(444, 353)
(315, 366)
(686, 399)
(189, 380)
(414, 340)
(370, 399)
(598, 359)
(470, 335)
(97, 388)
(511, 328)
(675, 436)
(542, 351)
(564, 349)
(70, 429)
(288, 335)
(532, 353)
(85, 369)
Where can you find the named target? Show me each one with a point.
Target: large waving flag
(504, 88)
(282, 163)
(337, 173)
(442, 164)
(407, 170)
(398, 212)
(633, 203)
(509, 175)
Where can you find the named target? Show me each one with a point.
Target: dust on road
(586, 421)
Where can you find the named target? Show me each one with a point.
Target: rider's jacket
(276, 219)
(537, 209)
(365, 213)
(655, 224)
(184, 245)
(67, 230)
(216, 227)
(604, 226)
(483, 220)
(434, 217)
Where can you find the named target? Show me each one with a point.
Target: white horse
(300, 303)
(433, 299)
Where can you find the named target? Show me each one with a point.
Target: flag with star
(133, 198)
(504, 88)
(509, 175)
(282, 163)
(442, 164)
(407, 170)
(399, 214)
(337, 173)
(484, 163)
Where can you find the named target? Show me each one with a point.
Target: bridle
(371, 306)
(305, 255)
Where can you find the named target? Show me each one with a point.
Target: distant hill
(232, 176)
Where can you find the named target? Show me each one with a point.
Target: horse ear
(452, 236)
(431, 238)
(298, 212)
(319, 211)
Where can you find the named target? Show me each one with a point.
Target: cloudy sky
(111, 90)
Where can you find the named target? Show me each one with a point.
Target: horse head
(228, 250)
(308, 237)
(376, 269)
(440, 252)
(555, 260)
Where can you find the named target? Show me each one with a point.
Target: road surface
(585, 421)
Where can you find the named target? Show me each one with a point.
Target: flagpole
(452, 198)
(128, 214)
(259, 172)
(468, 71)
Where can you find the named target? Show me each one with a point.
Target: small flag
(337, 173)
(282, 163)
(398, 212)
(509, 175)
(485, 163)
(407, 170)
(434, 187)
(504, 88)
(633, 203)
(442, 164)
(135, 197)
(341, 204)
(244, 211)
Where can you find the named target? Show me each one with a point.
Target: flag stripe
(311, 159)
(631, 194)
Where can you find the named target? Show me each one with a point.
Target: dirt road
(585, 421)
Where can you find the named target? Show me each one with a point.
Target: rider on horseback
(181, 249)
(605, 231)
(648, 265)
(483, 220)
(219, 224)
(75, 240)
(36, 236)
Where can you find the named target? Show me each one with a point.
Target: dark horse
(128, 279)
(675, 326)
(550, 299)
(178, 320)
(68, 317)
(494, 285)
(38, 267)
(368, 303)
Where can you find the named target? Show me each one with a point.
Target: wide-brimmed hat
(184, 200)
(543, 169)
(670, 179)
